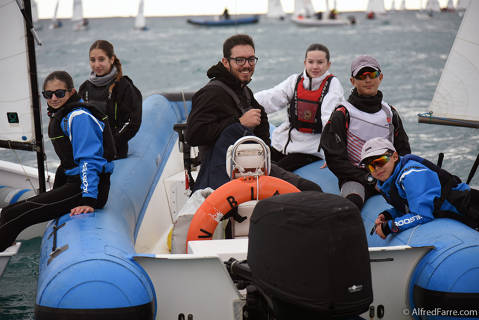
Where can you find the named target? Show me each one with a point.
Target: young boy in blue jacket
(418, 190)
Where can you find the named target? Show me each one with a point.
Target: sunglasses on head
(59, 93)
(378, 162)
(370, 74)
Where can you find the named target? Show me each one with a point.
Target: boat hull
(224, 22)
(310, 22)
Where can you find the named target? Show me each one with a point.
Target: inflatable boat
(116, 262)
(223, 22)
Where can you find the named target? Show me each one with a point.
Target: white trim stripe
(77, 113)
(412, 170)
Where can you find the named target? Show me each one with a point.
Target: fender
(230, 196)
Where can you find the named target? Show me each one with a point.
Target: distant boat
(304, 15)
(140, 22)
(450, 7)
(432, 6)
(55, 22)
(455, 100)
(80, 23)
(275, 10)
(462, 4)
(374, 8)
(393, 6)
(403, 5)
(223, 22)
(35, 20)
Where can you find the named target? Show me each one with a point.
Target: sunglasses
(372, 75)
(378, 162)
(59, 93)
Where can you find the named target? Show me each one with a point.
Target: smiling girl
(113, 93)
(85, 147)
(310, 97)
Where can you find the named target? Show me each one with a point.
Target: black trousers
(292, 161)
(47, 206)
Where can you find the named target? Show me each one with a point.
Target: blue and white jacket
(419, 189)
(81, 146)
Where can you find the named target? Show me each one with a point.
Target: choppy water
(174, 56)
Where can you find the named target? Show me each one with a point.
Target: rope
(19, 161)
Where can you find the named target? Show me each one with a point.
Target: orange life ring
(229, 196)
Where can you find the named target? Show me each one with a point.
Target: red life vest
(305, 108)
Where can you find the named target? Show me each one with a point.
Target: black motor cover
(309, 249)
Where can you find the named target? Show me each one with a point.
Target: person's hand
(251, 118)
(380, 219)
(379, 231)
(81, 209)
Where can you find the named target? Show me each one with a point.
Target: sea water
(174, 56)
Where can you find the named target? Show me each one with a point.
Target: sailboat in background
(432, 6)
(403, 5)
(375, 7)
(305, 15)
(140, 22)
(456, 96)
(35, 20)
(275, 10)
(79, 22)
(393, 6)
(449, 7)
(55, 22)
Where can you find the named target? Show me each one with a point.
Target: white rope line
(19, 161)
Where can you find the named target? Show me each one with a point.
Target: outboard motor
(308, 257)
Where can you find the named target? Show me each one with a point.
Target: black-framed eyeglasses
(242, 60)
(59, 93)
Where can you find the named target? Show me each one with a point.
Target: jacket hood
(219, 72)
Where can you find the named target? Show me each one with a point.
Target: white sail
(450, 5)
(55, 22)
(34, 12)
(16, 121)
(393, 6)
(462, 4)
(433, 5)
(457, 95)
(376, 6)
(403, 5)
(275, 9)
(77, 10)
(140, 22)
(303, 7)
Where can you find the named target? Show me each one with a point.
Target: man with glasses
(418, 190)
(365, 115)
(225, 110)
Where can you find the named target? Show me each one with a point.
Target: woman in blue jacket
(82, 139)
(418, 190)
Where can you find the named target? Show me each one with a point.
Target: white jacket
(279, 96)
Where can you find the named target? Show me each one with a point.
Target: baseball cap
(362, 62)
(376, 147)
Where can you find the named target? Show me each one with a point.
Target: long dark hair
(62, 76)
(107, 47)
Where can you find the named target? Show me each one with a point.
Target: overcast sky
(112, 8)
